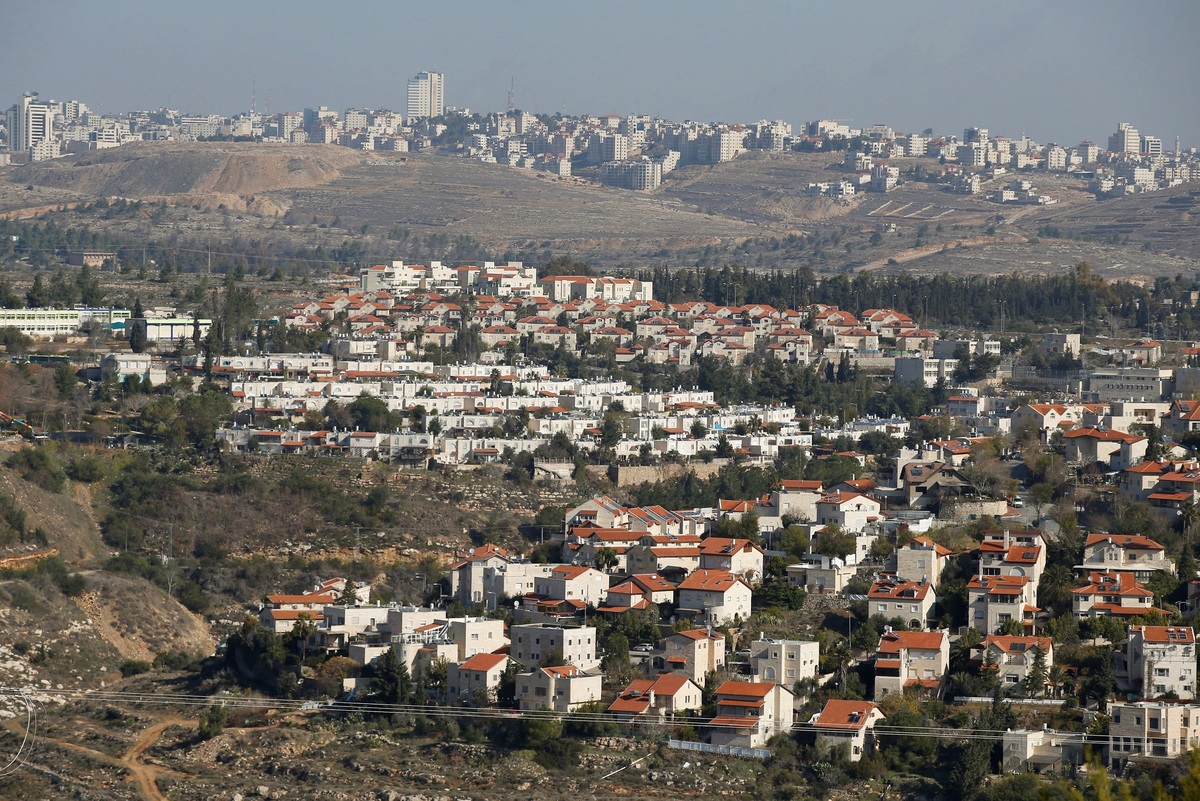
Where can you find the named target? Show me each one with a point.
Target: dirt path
(912, 254)
(145, 775)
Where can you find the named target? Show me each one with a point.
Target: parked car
(1018, 502)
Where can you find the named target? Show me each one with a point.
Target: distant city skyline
(1059, 72)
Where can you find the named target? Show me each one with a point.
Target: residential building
(669, 694)
(921, 559)
(572, 583)
(994, 600)
(741, 557)
(30, 122)
(851, 511)
(912, 601)
(1151, 729)
(851, 722)
(531, 643)
(916, 659)
(426, 95)
(1125, 553)
(478, 677)
(1012, 657)
(784, 661)
(1019, 553)
(694, 653)
(561, 689)
(822, 574)
(750, 713)
(1160, 660)
(715, 597)
(1112, 594)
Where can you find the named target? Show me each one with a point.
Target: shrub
(38, 466)
(134, 667)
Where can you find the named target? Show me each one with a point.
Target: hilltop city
(781, 534)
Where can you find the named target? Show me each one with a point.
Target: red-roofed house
(1112, 594)
(738, 556)
(1160, 660)
(911, 601)
(1013, 553)
(1012, 657)
(994, 600)
(849, 722)
(749, 714)
(466, 576)
(562, 689)
(694, 653)
(1115, 448)
(572, 583)
(669, 694)
(911, 659)
(849, 510)
(921, 559)
(715, 596)
(477, 679)
(1132, 553)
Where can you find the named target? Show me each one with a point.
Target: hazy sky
(1060, 71)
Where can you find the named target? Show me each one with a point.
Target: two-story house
(715, 596)
(1012, 657)
(561, 689)
(1111, 594)
(668, 694)
(750, 713)
(994, 600)
(851, 722)
(1136, 554)
(921, 559)
(910, 600)
(694, 653)
(1159, 660)
(784, 661)
(911, 659)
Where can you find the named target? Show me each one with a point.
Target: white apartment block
(1161, 660)
(426, 95)
(784, 662)
(533, 642)
(1151, 728)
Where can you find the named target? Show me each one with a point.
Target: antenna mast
(512, 95)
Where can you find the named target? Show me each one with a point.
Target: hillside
(420, 206)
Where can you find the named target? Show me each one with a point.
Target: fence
(724, 750)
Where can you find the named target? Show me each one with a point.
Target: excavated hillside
(205, 171)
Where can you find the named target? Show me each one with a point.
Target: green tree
(137, 332)
(391, 682)
(1035, 679)
(212, 721)
(201, 414)
(65, 380)
(606, 559)
(833, 540)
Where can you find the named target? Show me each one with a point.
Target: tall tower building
(29, 122)
(1125, 140)
(426, 95)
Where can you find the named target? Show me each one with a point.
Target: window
(883, 607)
(1162, 671)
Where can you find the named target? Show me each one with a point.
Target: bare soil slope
(153, 170)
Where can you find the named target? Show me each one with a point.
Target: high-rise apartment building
(29, 121)
(426, 95)
(1125, 140)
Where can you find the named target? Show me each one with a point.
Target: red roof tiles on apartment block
(701, 634)
(1011, 644)
(1137, 541)
(1122, 584)
(710, 581)
(484, 662)
(893, 641)
(839, 714)
(1166, 634)
(731, 690)
(889, 590)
